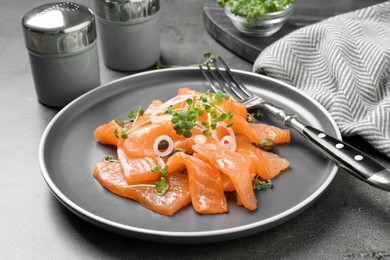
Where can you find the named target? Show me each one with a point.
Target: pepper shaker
(129, 33)
(61, 43)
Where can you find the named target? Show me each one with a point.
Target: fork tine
(229, 85)
(238, 82)
(210, 78)
(224, 80)
(220, 79)
(215, 77)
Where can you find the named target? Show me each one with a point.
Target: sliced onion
(200, 139)
(229, 143)
(157, 142)
(155, 118)
(231, 138)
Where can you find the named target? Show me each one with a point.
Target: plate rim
(85, 214)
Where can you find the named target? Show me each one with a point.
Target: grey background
(351, 220)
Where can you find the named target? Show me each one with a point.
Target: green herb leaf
(187, 133)
(186, 118)
(133, 115)
(207, 132)
(108, 158)
(261, 185)
(121, 122)
(124, 133)
(162, 186)
(251, 9)
(157, 168)
(170, 110)
(254, 116)
(163, 171)
(207, 56)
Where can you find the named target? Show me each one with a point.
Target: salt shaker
(61, 42)
(129, 33)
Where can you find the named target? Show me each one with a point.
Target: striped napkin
(344, 63)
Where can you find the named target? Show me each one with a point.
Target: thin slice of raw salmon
(140, 141)
(278, 135)
(237, 109)
(105, 134)
(257, 131)
(233, 165)
(139, 169)
(226, 181)
(241, 126)
(110, 176)
(268, 165)
(206, 187)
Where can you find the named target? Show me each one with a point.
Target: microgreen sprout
(109, 158)
(122, 133)
(122, 122)
(252, 9)
(162, 170)
(186, 118)
(208, 56)
(134, 115)
(254, 116)
(261, 184)
(162, 186)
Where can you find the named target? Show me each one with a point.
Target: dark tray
(306, 12)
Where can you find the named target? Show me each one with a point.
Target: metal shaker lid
(126, 10)
(59, 28)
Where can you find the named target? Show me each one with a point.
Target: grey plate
(68, 152)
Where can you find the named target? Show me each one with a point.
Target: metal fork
(346, 156)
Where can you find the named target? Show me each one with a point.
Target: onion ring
(157, 142)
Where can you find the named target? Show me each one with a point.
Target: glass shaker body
(129, 33)
(61, 43)
(60, 79)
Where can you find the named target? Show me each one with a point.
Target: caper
(266, 144)
(179, 150)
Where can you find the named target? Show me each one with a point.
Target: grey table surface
(351, 220)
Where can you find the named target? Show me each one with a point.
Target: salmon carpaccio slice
(278, 135)
(206, 187)
(139, 169)
(140, 141)
(267, 165)
(105, 134)
(257, 131)
(233, 165)
(226, 181)
(110, 176)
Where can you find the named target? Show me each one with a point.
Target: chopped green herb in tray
(252, 9)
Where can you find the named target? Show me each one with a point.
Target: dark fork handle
(349, 158)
